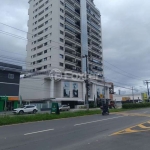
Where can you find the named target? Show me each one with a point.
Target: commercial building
(60, 33)
(9, 85)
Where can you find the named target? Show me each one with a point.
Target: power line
(121, 73)
(22, 38)
(121, 69)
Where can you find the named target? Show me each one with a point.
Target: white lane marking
(39, 131)
(97, 121)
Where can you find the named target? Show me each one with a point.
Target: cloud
(13, 13)
(125, 30)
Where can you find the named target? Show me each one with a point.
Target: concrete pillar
(84, 92)
(52, 88)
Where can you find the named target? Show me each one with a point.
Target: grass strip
(7, 120)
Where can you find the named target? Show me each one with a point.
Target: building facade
(9, 85)
(60, 34)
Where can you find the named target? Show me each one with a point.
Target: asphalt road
(121, 131)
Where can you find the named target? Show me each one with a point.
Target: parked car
(64, 108)
(26, 109)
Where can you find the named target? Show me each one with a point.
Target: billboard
(125, 98)
(144, 96)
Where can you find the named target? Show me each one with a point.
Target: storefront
(9, 102)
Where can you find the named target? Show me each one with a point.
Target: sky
(125, 35)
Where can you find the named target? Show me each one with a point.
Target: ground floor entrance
(9, 103)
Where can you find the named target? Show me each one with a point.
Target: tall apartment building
(60, 32)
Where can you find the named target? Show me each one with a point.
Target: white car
(64, 108)
(26, 109)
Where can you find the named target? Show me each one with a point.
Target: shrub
(136, 105)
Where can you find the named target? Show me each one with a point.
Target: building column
(52, 88)
(84, 92)
(93, 91)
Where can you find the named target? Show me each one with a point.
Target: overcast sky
(125, 30)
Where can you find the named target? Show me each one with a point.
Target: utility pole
(132, 94)
(87, 82)
(147, 83)
(104, 92)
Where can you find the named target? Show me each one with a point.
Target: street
(125, 130)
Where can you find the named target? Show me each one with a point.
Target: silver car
(64, 108)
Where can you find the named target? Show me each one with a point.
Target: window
(61, 48)
(61, 56)
(61, 24)
(61, 32)
(45, 67)
(66, 88)
(45, 36)
(61, 40)
(46, 29)
(61, 10)
(46, 9)
(75, 89)
(46, 22)
(45, 51)
(46, 2)
(46, 15)
(45, 44)
(61, 64)
(45, 58)
(10, 76)
(61, 3)
(61, 17)
(51, 26)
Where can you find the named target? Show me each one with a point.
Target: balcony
(96, 47)
(93, 16)
(77, 3)
(72, 11)
(95, 62)
(97, 68)
(95, 35)
(70, 60)
(70, 39)
(69, 46)
(72, 68)
(70, 53)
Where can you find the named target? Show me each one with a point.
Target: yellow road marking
(141, 128)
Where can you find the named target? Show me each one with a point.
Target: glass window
(10, 76)
(61, 32)
(61, 17)
(45, 51)
(61, 56)
(62, 25)
(75, 89)
(66, 89)
(98, 91)
(45, 67)
(61, 64)
(61, 48)
(61, 40)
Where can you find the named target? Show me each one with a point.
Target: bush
(136, 105)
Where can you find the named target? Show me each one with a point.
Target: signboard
(101, 96)
(55, 108)
(125, 98)
(144, 96)
(4, 98)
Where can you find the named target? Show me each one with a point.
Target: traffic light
(111, 91)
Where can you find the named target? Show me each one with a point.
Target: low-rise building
(9, 85)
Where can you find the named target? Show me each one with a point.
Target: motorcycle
(105, 110)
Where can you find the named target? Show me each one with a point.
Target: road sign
(55, 108)
(101, 96)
